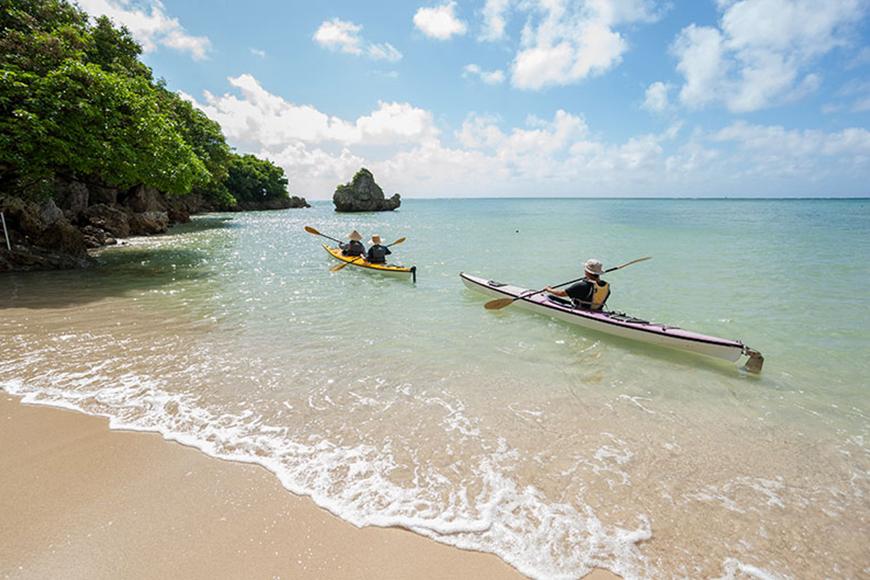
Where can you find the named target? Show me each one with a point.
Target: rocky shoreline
(57, 233)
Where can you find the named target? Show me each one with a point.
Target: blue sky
(529, 97)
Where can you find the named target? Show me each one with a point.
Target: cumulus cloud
(440, 22)
(150, 25)
(656, 97)
(494, 19)
(760, 53)
(558, 154)
(344, 36)
(490, 77)
(565, 41)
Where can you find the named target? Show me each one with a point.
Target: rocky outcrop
(57, 233)
(111, 219)
(270, 204)
(363, 194)
(41, 237)
(148, 223)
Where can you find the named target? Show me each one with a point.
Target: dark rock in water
(113, 220)
(363, 194)
(142, 199)
(41, 238)
(268, 204)
(96, 237)
(148, 223)
(63, 238)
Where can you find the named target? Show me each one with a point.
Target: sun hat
(355, 236)
(376, 239)
(593, 266)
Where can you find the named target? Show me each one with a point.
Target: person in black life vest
(354, 247)
(591, 292)
(377, 252)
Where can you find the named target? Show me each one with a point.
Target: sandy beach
(81, 501)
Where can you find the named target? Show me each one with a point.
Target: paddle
(500, 303)
(311, 230)
(343, 264)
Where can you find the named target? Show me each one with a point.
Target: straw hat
(354, 235)
(376, 239)
(593, 266)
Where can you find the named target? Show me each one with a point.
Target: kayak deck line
(386, 269)
(621, 324)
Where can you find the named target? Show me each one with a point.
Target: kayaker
(354, 247)
(377, 252)
(590, 293)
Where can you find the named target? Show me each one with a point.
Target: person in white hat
(591, 292)
(377, 251)
(354, 247)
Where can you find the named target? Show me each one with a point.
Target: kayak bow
(622, 325)
(385, 269)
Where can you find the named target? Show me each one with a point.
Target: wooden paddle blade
(644, 259)
(498, 303)
(311, 230)
(397, 242)
(338, 267)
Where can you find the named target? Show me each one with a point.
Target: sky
(462, 98)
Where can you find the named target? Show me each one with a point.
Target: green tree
(254, 179)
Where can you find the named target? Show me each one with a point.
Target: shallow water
(556, 448)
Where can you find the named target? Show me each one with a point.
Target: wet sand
(80, 501)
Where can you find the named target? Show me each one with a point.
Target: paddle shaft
(570, 282)
(312, 231)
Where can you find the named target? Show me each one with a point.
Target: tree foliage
(254, 179)
(76, 101)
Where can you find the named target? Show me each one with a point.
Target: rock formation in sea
(363, 194)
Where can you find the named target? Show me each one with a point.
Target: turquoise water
(556, 448)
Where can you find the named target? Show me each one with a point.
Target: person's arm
(557, 292)
(387, 250)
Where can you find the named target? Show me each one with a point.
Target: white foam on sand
(495, 513)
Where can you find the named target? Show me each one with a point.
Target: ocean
(558, 449)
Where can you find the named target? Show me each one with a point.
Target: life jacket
(600, 293)
(377, 254)
(353, 248)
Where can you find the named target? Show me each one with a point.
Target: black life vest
(377, 254)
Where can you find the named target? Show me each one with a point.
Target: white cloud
(494, 19)
(439, 22)
(558, 155)
(344, 36)
(267, 121)
(656, 97)
(149, 25)
(340, 35)
(258, 52)
(760, 53)
(565, 41)
(490, 77)
(384, 51)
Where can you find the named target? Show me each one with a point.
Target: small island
(363, 194)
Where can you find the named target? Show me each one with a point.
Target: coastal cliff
(363, 194)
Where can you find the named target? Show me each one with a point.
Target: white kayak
(619, 324)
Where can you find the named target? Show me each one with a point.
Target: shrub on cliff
(252, 179)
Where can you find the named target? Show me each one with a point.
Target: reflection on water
(558, 449)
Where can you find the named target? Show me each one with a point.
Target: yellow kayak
(385, 269)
